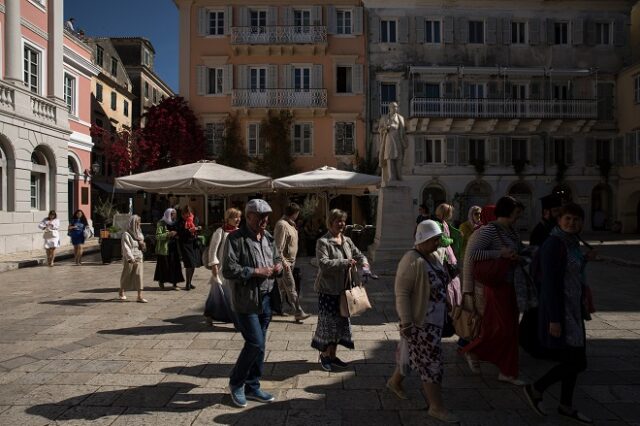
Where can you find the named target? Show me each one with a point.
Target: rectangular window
(474, 90)
(255, 146)
(603, 33)
(301, 143)
(430, 151)
(114, 67)
(476, 150)
(34, 191)
(344, 82)
(301, 79)
(70, 93)
(476, 32)
(424, 89)
(387, 95)
(345, 138)
(155, 95)
(98, 92)
(114, 101)
(561, 152)
(344, 21)
(603, 151)
(146, 90)
(32, 68)
(432, 32)
(258, 79)
(216, 22)
(99, 56)
(125, 108)
(388, 31)
(519, 149)
(258, 21)
(301, 21)
(214, 86)
(518, 33)
(636, 88)
(214, 137)
(519, 91)
(561, 33)
(146, 57)
(561, 91)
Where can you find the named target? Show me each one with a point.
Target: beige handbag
(354, 300)
(466, 321)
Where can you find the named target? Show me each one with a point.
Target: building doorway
(601, 207)
(432, 196)
(477, 193)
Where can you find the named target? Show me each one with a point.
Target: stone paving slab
(71, 353)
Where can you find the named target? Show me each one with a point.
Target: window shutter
(272, 77)
(357, 21)
(201, 72)
(550, 34)
(507, 150)
(228, 79)
(331, 20)
(462, 30)
(591, 33)
(375, 29)
(506, 31)
(358, 83)
(244, 17)
(534, 32)
(272, 16)
(316, 77)
(619, 32)
(403, 30)
(618, 151)
(420, 156)
(577, 31)
(202, 21)
(590, 153)
(462, 145)
(287, 75)
(375, 100)
(448, 29)
(568, 150)
(243, 77)
(494, 151)
(287, 17)
(420, 38)
(536, 148)
(316, 15)
(492, 30)
(228, 19)
(451, 150)
(551, 149)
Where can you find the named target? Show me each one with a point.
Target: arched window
(42, 182)
(7, 168)
(3, 180)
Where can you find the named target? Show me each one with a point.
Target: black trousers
(572, 361)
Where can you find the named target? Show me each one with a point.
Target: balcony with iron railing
(502, 108)
(289, 34)
(279, 98)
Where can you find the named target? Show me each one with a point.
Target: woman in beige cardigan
(132, 248)
(420, 288)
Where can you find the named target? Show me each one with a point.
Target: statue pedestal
(395, 224)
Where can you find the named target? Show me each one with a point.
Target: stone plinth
(395, 224)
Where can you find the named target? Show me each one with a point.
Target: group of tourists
(78, 230)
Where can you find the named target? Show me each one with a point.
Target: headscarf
(476, 223)
(167, 216)
(133, 228)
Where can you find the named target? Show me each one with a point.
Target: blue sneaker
(237, 396)
(260, 396)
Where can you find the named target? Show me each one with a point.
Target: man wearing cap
(550, 210)
(251, 264)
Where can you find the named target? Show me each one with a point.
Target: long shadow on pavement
(183, 324)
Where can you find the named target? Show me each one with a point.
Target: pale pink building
(44, 115)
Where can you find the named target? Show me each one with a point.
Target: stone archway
(601, 207)
(477, 193)
(432, 196)
(522, 192)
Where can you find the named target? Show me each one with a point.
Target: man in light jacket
(251, 264)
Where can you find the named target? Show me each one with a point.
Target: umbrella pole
(206, 210)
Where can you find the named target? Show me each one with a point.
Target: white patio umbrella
(330, 180)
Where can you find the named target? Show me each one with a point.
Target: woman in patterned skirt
(337, 256)
(420, 288)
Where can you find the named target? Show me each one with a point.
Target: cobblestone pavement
(70, 353)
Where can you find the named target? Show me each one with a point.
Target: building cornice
(79, 62)
(80, 141)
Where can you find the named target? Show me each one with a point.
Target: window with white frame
(301, 143)
(561, 91)
(388, 30)
(255, 146)
(154, 92)
(257, 79)
(146, 90)
(99, 56)
(301, 79)
(34, 191)
(214, 138)
(32, 68)
(519, 91)
(114, 101)
(636, 88)
(476, 32)
(302, 20)
(215, 81)
(429, 151)
(432, 33)
(125, 108)
(216, 22)
(3, 180)
(146, 57)
(344, 21)
(258, 21)
(603, 33)
(476, 150)
(344, 79)
(345, 138)
(561, 33)
(519, 149)
(38, 179)
(518, 32)
(388, 94)
(603, 151)
(70, 93)
(474, 90)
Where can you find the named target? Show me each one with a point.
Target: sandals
(399, 392)
(122, 297)
(575, 415)
(534, 401)
(142, 300)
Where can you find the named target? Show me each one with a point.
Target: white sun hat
(427, 229)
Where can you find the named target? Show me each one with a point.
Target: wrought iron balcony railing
(280, 98)
(291, 34)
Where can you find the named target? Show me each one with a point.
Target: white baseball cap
(427, 229)
(257, 205)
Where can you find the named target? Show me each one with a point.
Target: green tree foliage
(234, 152)
(275, 135)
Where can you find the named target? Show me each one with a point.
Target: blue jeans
(248, 368)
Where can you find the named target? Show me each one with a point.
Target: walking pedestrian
(286, 237)
(550, 210)
(50, 226)
(168, 267)
(337, 256)
(420, 290)
(561, 312)
(132, 271)
(467, 228)
(76, 232)
(188, 229)
(251, 263)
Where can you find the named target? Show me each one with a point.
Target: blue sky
(156, 20)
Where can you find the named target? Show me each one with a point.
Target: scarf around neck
(189, 225)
